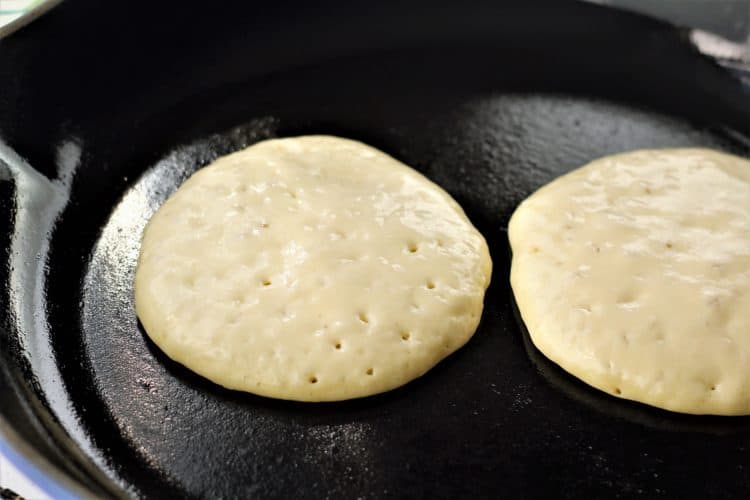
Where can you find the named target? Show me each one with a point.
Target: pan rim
(28, 16)
(48, 477)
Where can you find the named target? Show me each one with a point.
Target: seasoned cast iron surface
(488, 420)
(490, 113)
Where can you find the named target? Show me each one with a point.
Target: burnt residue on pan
(487, 109)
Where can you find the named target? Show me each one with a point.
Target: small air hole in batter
(239, 298)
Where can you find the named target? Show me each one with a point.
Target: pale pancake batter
(633, 274)
(310, 268)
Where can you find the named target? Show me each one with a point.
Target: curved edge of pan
(34, 13)
(50, 478)
(28, 430)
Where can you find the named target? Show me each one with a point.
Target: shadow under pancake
(332, 412)
(625, 409)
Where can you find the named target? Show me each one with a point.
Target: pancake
(633, 274)
(311, 268)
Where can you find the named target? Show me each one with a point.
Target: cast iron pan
(488, 100)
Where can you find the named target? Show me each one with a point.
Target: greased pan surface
(489, 101)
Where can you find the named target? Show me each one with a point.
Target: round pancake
(633, 274)
(311, 268)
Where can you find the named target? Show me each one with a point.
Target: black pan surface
(489, 101)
